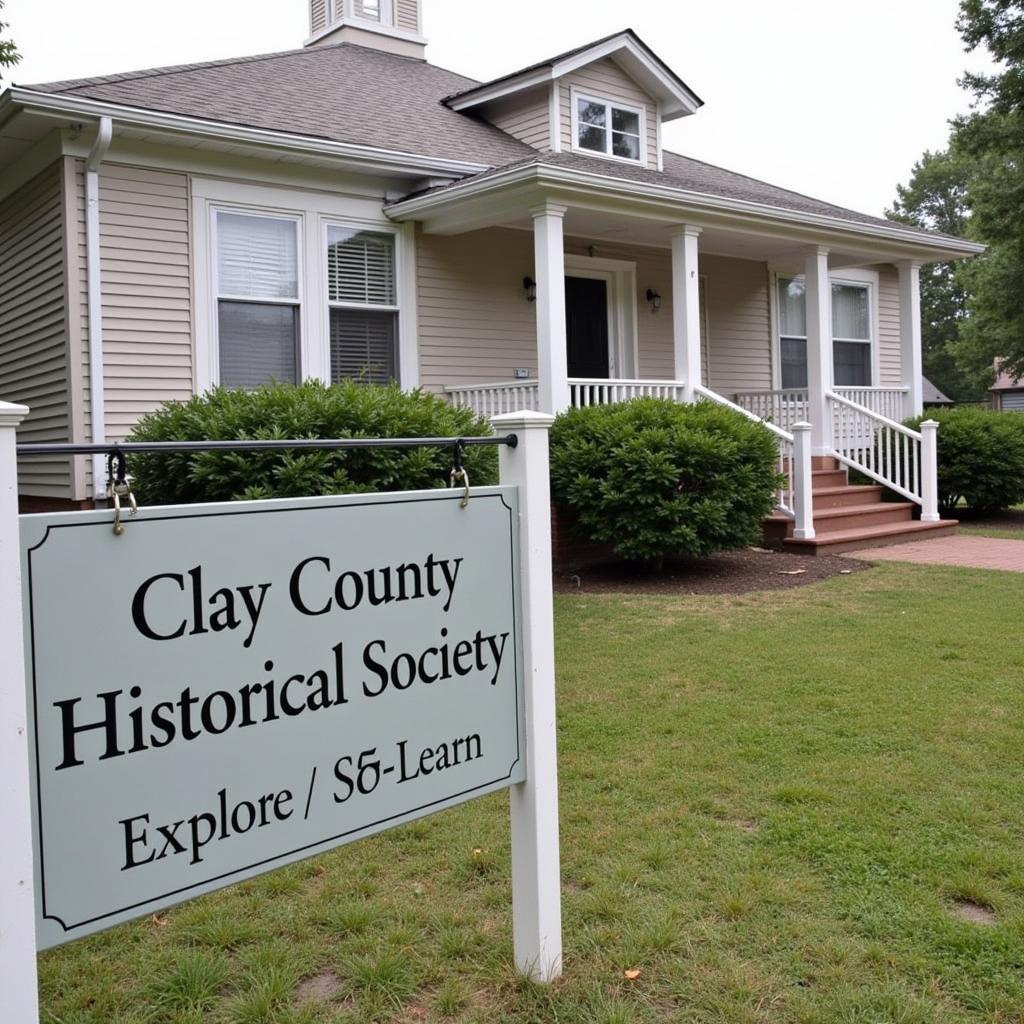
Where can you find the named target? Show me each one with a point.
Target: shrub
(310, 410)
(981, 458)
(655, 478)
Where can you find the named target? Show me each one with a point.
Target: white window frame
(313, 211)
(326, 223)
(855, 276)
(576, 96)
(387, 13)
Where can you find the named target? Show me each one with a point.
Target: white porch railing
(901, 459)
(783, 407)
(887, 402)
(584, 391)
(794, 497)
(489, 400)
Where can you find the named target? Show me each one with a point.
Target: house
(932, 397)
(1007, 393)
(347, 208)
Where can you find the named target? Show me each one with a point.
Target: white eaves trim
(677, 100)
(360, 157)
(366, 25)
(607, 185)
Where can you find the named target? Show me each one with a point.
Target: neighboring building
(1007, 393)
(349, 209)
(932, 397)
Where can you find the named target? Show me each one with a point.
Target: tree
(9, 55)
(936, 199)
(993, 136)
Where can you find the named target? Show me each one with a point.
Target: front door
(586, 327)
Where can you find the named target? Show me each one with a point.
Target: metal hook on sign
(118, 488)
(459, 470)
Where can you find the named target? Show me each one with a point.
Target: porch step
(885, 535)
(850, 494)
(828, 478)
(850, 517)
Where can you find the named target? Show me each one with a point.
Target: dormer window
(607, 129)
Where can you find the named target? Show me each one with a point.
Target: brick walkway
(974, 552)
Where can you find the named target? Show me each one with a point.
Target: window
(851, 333)
(257, 299)
(363, 305)
(377, 10)
(608, 129)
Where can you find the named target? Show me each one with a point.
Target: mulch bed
(1012, 519)
(731, 572)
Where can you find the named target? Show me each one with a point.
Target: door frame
(620, 277)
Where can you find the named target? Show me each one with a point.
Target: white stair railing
(602, 391)
(794, 496)
(895, 456)
(887, 402)
(489, 400)
(782, 407)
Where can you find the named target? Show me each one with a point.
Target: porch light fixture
(654, 299)
(530, 287)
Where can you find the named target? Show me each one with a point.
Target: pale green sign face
(225, 689)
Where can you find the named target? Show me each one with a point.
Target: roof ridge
(173, 69)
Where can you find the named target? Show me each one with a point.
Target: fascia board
(592, 184)
(364, 157)
(501, 89)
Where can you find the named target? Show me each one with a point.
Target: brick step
(884, 535)
(828, 478)
(825, 462)
(850, 494)
(852, 517)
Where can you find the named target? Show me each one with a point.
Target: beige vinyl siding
(526, 117)
(889, 370)
(604, 79)
(407, 15)
(476, 327)
(317, 16)
(739, 324)
(147, 295)
(33, 325)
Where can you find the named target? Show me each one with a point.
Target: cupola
(395, 26)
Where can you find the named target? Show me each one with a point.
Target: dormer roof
(626, 48)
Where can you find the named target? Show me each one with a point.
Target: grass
(771, 805)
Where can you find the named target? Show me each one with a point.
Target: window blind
(258, 343)
(257, 257)
(360, 267)
(363, 345)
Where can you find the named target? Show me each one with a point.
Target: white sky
(828, 97)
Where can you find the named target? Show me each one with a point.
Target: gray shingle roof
(341, 92)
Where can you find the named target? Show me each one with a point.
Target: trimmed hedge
(981, 458)
(309, 410)
(654, 478)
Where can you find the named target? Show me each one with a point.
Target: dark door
(586, 327)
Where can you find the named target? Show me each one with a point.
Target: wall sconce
(654, 299)
(530, 287)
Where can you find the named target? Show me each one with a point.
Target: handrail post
(929, 472)
(536, 886)
(803, 478)
(17, 891)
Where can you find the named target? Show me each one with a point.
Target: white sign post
(18, 985)
(223, 689)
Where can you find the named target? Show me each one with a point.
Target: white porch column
(819, 348)
(910, 337)
(686, 308)
(549, 270)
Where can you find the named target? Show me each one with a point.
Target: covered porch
(687, 305)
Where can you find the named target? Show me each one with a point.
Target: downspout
(94, 292)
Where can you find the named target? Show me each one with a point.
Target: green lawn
(770, 807)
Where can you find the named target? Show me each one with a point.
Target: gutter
(363, 158)
(94, 291)
(603, 184)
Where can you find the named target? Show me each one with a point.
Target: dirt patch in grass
(973, 913)
(324, 987)
(730, 572)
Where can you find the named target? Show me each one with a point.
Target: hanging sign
(225, 689)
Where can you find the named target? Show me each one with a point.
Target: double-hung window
(851, 333)
(608, 128)
(363, 305)
(257, 299)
